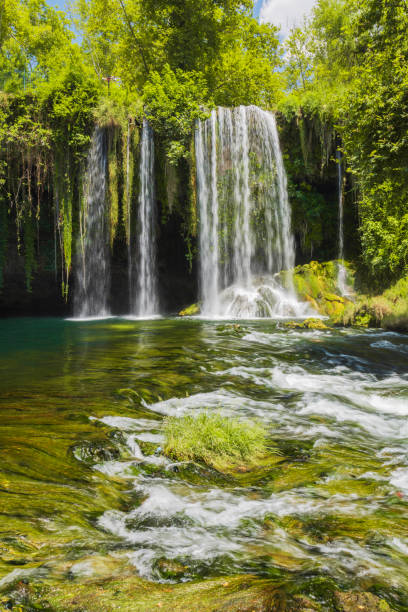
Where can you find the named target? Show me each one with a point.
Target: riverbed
(84, 485)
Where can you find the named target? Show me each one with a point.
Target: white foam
(399, 479)
(129, 424)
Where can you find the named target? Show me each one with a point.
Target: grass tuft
(215, 440)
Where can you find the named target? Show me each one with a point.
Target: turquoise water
(82, 405)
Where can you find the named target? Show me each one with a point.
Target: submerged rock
(170, 569)
(360, 602)
(130, 593)
(96, 451)
(231, 329)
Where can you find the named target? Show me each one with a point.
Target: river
(82, 474)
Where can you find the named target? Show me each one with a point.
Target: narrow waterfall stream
(92, 270)
(143, 276)
(245, 216)
(341, 278)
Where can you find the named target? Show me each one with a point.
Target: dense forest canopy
(350, 62)
(344, 71)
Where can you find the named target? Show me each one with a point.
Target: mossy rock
(169, 569)
(389, 310)
(304, 604)
(231, 329)
(307, 324)
(133, 594)
(317, 284)
(360, 602)
(96, 452)
(190, 311)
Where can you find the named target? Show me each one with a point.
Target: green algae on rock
(307, 324)
(317, 284)
(361, 602)
(190, 311)
(129, 593)
(388, 310)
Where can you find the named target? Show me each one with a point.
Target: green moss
(389, 310)
(360, 602)
(113, 182)
(232, 329)
(217, 441)
(128, 593)
(316, 283)
(3, 237)
(29, 248)
(132, 594)
(307, 324)
(190, 311)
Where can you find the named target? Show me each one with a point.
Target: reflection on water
(82, 405)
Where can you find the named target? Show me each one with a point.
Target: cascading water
(143, 290)
(245, 216)
(342, 275)
(92, 270)
(128, 210)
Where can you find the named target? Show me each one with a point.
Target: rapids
(82, 405)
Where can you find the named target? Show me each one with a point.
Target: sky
(285, 13)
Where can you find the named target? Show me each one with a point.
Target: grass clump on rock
(215, 440)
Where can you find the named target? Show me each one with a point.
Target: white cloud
(284, 13)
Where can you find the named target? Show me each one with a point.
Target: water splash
(92, 270)
(245, 216)
(143, 291)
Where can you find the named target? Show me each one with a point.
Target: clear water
(336, 404)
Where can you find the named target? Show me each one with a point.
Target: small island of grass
(220, 442)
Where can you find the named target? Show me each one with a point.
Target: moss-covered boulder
(190, 311)
(307, 324)
(388, 310)
(360, 602)
(317, 284)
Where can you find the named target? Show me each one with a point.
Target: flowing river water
(82, 405)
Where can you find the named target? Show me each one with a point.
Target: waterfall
(143, 290)
(128, 207)
(245, 217)
(342, 273)
(92, 270)
(208, 197)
